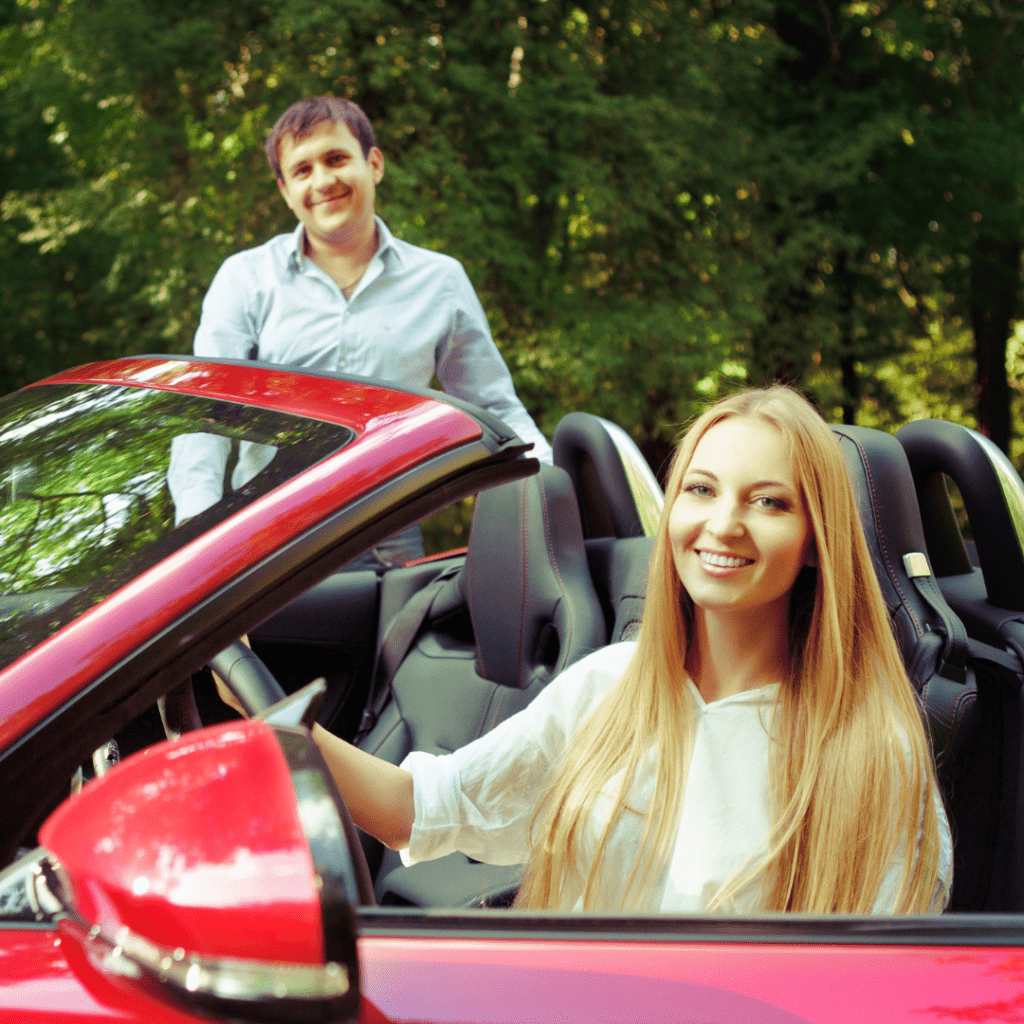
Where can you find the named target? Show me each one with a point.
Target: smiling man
(340, 292)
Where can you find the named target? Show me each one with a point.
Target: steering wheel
(245, 676)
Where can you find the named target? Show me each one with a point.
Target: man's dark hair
(305, 116)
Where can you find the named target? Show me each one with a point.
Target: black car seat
(618, 534)
(988, 596)
(583, 447)
(520, 609)
(963, 692)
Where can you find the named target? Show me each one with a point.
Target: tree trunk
(851, 388)
(847, 345)
(995, 280)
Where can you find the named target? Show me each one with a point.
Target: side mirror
(215, 871)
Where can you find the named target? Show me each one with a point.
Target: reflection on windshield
(643, 485)
(198, 466)
(85, 502)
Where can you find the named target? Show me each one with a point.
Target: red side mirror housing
(191, 869)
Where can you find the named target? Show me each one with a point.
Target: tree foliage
(654, 198)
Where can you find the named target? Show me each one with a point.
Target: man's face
(329, 185)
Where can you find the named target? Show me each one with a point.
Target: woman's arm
(378, 794)
(481, 798)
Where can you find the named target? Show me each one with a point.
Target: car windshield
(85, 501)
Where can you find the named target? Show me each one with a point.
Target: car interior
(431, 655)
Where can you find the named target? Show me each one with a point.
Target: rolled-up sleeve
(480, 800)
(195, 475)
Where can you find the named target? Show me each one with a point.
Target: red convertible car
(214, 873)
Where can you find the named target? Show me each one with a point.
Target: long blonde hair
(850, 773)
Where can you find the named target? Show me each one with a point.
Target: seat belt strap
(1008, 659)
(953, 662)
(401, 635)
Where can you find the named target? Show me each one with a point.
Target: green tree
(915, 111)
(584, 164)
(653, 199)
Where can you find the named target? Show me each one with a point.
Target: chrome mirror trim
(227, 984)
(224, 978)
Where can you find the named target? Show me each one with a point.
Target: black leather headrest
(526, 581)
(991, 500)
(889, 513)
(583, 448)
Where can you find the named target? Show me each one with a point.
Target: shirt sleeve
(885, 901)
(469, 366)
(227, 327)
(195, 476)
(480, 800)
(226, 330)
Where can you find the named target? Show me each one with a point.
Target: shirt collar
(297, 252)
(386, 248)
(767, 695)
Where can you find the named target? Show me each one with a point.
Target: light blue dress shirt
(413, 314)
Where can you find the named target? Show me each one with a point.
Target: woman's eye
(700, 490)
(775, 504)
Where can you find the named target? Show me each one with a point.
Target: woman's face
(738, 529)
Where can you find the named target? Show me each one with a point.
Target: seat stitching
(524, 568)
(497, 710)
(958, 710)
(558, 575)
(388, 734)
(881, 535)
(469, 589)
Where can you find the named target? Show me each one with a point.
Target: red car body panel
(425, 973)
(357, 405)
(44, 979)
(154, 872)
(458, 981)
(396, 432)
(497, 980)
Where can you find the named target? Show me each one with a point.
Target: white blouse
(480, 799)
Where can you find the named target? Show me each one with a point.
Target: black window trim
(119, 695)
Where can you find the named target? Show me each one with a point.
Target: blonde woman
(759, 747)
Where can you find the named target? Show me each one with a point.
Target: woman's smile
(718, 560)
